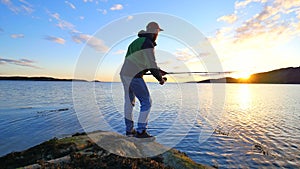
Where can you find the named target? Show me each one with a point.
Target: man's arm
(151, 63)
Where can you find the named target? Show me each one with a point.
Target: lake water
(223, 125)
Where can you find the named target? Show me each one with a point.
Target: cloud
(164, 62)
(95, 1)
(22, 6)
(177, 67)
(288, 4)
(267, 12)
(78, 39)
(55, 16)
(63, 24)
(15, 36)
(258, 39)
(243, 4)
(119, 52)
(27, 9)
(276, 18)
(205, 54)
(116, 7)
(25, 2)
(87, 1)
(103, 11)
(183, 54)
(70, 4)
(130, 17)
(228, 18)
(91, 41)
(20, 62)
(55, 39)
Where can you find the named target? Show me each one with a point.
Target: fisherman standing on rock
(140, 59)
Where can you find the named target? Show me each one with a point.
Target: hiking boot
(131, 133)
(144, 134)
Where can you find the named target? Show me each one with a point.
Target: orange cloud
(228, 18)
(272, 21)
(257, 42)
(55, 39)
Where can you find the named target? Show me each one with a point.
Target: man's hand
(164, 79)
(162, 72)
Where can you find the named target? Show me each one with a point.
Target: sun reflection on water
(244, 97)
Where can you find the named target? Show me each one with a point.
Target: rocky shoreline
(83, 150)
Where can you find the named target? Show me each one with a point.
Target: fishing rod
(205, 73)
(226, 72)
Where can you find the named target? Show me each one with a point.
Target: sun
(245, 75)
(242, 75)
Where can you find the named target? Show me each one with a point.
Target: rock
(98, 149)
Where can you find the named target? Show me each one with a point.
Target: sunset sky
(45, 38)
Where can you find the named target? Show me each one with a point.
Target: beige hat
(152, 27)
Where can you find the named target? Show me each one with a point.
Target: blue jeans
(136, 87)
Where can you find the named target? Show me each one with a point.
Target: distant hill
(290, 75)
(35, 78)
(222, 80)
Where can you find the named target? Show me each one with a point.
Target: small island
(290, 75)
(23, 78)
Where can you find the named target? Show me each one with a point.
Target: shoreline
(288, 75)
(82, 150)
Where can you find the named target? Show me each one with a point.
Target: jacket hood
(151, 36)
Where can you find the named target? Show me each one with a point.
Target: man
(140, 59)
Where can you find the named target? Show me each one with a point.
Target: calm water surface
(228, 126)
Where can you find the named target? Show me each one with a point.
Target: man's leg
(139, 87)
(129, 101)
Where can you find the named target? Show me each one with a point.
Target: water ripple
(257, 127)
